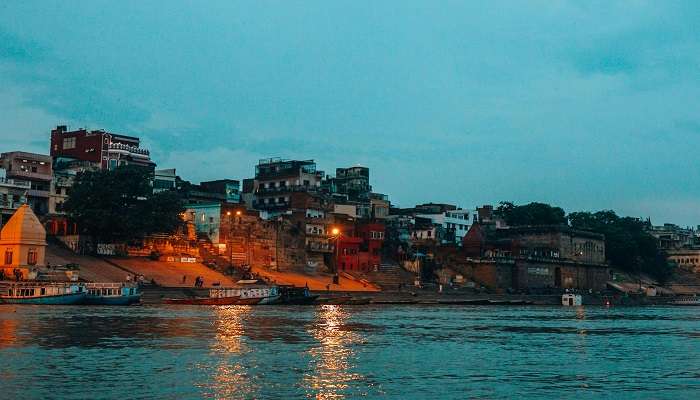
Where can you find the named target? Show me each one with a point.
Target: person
(184, 279)
(328, 287)
(128, 278)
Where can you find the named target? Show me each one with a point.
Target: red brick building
(360, 246)
(99, 148)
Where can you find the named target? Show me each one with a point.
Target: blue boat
(54, 293)
(112, 294)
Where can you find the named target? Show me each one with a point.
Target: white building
(452, 220)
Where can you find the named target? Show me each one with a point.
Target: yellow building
(22, 243)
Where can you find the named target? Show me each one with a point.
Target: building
(536, 257)
(687, 258)
(359, 245)
(99, 148)
(13, 193)
(352, 182)
(276, 179)
(671, 236)
(22, 243)
(164, 180)
(455, 222)
(32, 168)
(224, 191)
(206, 219)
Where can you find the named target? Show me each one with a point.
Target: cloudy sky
(587, 105)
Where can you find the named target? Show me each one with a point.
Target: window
(31, 256)
(8, 257)
(68, 143)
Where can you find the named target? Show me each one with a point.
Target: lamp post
(335, 232)
(228, 240)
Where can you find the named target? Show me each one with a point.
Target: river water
(338, 352)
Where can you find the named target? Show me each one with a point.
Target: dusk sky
(586, 105)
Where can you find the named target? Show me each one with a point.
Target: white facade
(457, 220)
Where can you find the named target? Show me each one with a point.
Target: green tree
(530, 214)
(119, 205)
(627, 244)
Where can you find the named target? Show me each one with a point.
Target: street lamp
(228, 240)
(335, 233)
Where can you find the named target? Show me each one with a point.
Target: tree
(119, 205)
(530, 214)
(627, 244)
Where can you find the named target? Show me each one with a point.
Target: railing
(130, 149)
(286, 188)
(30, 174)
(14, 182)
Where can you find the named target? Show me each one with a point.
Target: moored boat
(686, 301)
(231, 296)
(112, 294)
(43, 293)
(291, 295)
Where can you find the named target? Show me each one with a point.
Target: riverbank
(155, 295)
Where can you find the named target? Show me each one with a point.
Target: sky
(586, 105)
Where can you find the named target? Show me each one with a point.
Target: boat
(44, 293)
(112, 294)
(291, 295)
(570, 299)
(231, 296)
(687, 301)
(344, 300)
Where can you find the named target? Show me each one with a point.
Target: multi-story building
(536, 257)
(33, 168)
(671, 236)
(13, 193)
(454, 221)
(225, 191)
(102, 149)
(276, 179)
(164, 180)
(352, 182)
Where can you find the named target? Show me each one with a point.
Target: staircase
(389, 276)
(218, 262)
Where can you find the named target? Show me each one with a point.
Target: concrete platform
(170, 273)
(92, 269)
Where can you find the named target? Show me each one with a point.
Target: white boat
(687, 301)
(570, 299)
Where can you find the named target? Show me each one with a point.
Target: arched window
(8, 257)
(31, 256)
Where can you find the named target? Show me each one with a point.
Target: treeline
(628, 245)
(119, 205)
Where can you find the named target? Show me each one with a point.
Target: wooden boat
(112, 294)
(232, 296)
(44, 293)
(345, 300)
(686, 301)
(291, 295)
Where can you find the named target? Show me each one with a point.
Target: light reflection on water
(345, 352)
(332, 359)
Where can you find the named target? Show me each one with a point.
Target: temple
(22, 244)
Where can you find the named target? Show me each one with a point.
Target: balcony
(15, 183)
(320, 247)
(11, 205)
(120, 147)
(285, 189)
